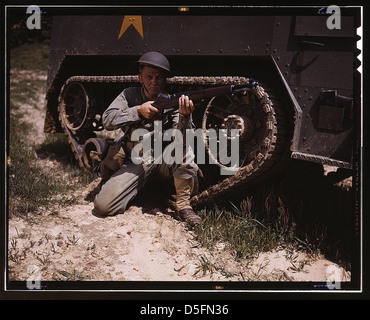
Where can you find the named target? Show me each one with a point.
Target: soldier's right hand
(146, 110)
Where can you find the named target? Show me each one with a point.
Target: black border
(197, 289)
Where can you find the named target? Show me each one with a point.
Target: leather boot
(190, 217)
(184, 188)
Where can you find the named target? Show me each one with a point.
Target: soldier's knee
(102, 208)
(106, 207)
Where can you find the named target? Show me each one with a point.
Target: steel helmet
(156, 59)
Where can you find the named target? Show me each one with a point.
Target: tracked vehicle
(301, 109)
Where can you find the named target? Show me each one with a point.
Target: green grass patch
(299, 208)
(29, 186)
(56, 147)
(33, 188)
(30, 56)
(245, 236)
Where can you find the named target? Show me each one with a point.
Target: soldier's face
(154, 81)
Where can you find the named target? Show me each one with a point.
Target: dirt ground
(76, 244)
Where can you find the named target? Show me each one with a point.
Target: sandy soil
(75, 244)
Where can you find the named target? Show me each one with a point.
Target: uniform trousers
(122, 187)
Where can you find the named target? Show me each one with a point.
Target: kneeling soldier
(127, 112)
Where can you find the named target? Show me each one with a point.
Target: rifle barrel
(172, 100)
(196, 95)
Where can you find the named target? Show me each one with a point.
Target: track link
(271, 152)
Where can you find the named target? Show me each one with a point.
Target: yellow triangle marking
(136, 21)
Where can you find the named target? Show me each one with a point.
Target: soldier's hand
(146, 110)
(186, 106)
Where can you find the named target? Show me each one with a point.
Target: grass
(29, 186)
(298, 208)
(30, 57)
(71, 276)
(57, 148)
(45, 250)
(32, 188)
(245, 236)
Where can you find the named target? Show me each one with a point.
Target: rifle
(171, 101)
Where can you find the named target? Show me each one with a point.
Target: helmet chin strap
(145, 89)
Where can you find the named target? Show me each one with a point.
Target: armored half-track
(302, 108)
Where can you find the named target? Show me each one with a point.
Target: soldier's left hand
(186, 106)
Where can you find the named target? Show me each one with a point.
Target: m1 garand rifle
(170, 102)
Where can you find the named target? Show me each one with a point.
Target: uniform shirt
(123, 113)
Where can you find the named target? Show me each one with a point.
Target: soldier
(128, 111)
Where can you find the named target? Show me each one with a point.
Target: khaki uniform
(125, 184)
